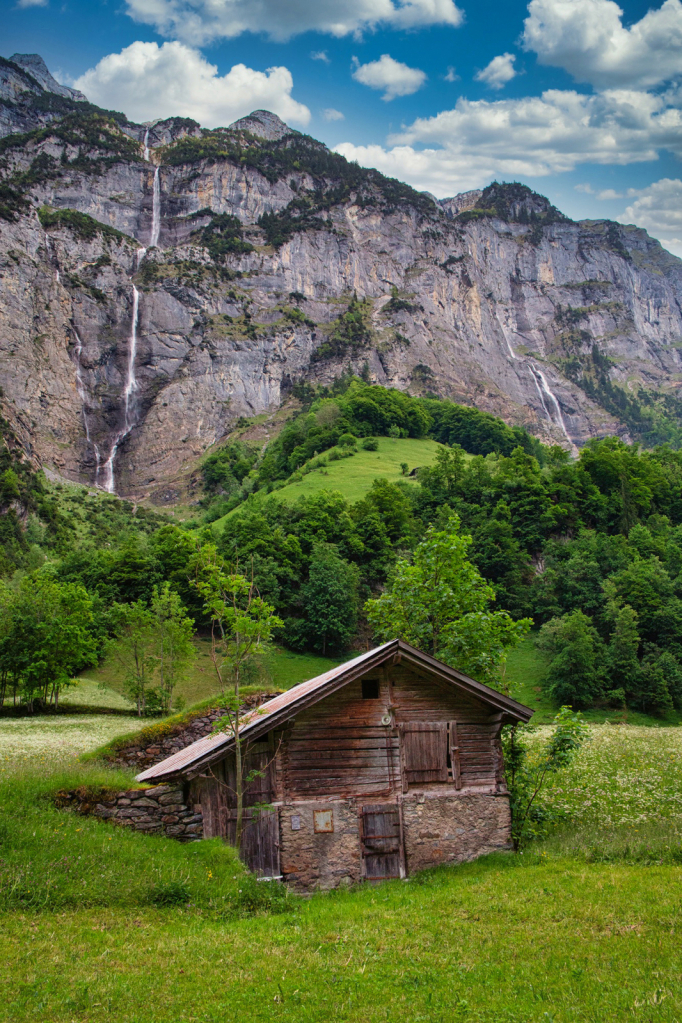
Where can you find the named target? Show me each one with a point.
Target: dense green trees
(590, 549)
(440, 603)
(46, 637)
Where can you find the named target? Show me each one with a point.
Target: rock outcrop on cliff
(160, 281)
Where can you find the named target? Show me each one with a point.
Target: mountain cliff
(160, 281)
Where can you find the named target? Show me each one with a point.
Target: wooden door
(424, 752)
(260, 840)
(382, 848)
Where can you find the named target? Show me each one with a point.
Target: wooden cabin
(381, 767)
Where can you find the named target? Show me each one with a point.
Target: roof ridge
(284, 706)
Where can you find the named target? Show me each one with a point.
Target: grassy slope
(279, 669)
(489, 942)
(354, 476)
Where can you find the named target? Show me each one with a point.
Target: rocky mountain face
(160, 281)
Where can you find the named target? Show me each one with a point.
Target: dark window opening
(370, 688)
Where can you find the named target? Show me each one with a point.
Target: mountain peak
(38, 69)
(264, 124)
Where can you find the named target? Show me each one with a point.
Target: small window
(370, 688)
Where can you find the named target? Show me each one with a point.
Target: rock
(175, 796)
(490, 309)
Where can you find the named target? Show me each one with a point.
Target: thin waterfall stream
(107, 469)
(545, 391)
(156, 210)
(80, 385)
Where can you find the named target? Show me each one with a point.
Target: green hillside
(352, 476)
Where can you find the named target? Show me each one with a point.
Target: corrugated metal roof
(281, 708)
(198, 750)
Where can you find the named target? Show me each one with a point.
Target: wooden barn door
(382, 847)
(424, 752)
(260, 841)
(260, 828)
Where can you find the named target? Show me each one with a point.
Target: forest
(586, 551)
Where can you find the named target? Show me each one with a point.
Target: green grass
(582, 927)
(354, 476)
(489, 942)
(278, 669)
(55, 859)
(525, 671)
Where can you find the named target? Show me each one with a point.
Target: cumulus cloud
(658, 209)
(320, 55)
(587, 38)
(604, 193)
(499, 71)
(201, 21)
(451, 75)
(333, 115)
(465, 147)
(147, 81)
(386, 73)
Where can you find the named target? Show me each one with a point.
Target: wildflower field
(56, 741)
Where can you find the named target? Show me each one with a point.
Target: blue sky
(580, 99)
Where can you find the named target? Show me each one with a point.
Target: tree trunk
(238, 779)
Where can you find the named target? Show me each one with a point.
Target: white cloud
(476, 141)
(386, 73)
(333, 115)
(451, 75)
(31, 3)
(147, 81)
(200, 21)
(499, 71)
(587, 38)
(605, 193)
(320, 55)
(658, 209)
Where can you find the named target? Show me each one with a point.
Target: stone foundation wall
(160, 810)
(308, 860)
(436, 829)
(451, 829)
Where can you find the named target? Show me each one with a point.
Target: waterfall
(80, 386)
(131, 382)
(156, 210)
(545, 391)
(107, 469)
(139, 257)
(146, 145)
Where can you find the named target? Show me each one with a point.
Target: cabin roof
(287, 705)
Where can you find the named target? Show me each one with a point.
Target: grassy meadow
(100, 924)
(278, 668)
(353, 476)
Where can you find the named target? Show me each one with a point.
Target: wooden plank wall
(340, 746)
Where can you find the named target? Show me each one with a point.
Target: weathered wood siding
(341, 746)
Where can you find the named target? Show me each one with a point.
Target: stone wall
(308, 860)
(437, 828)
(451, 829)
(160, 810)
(145, 751)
